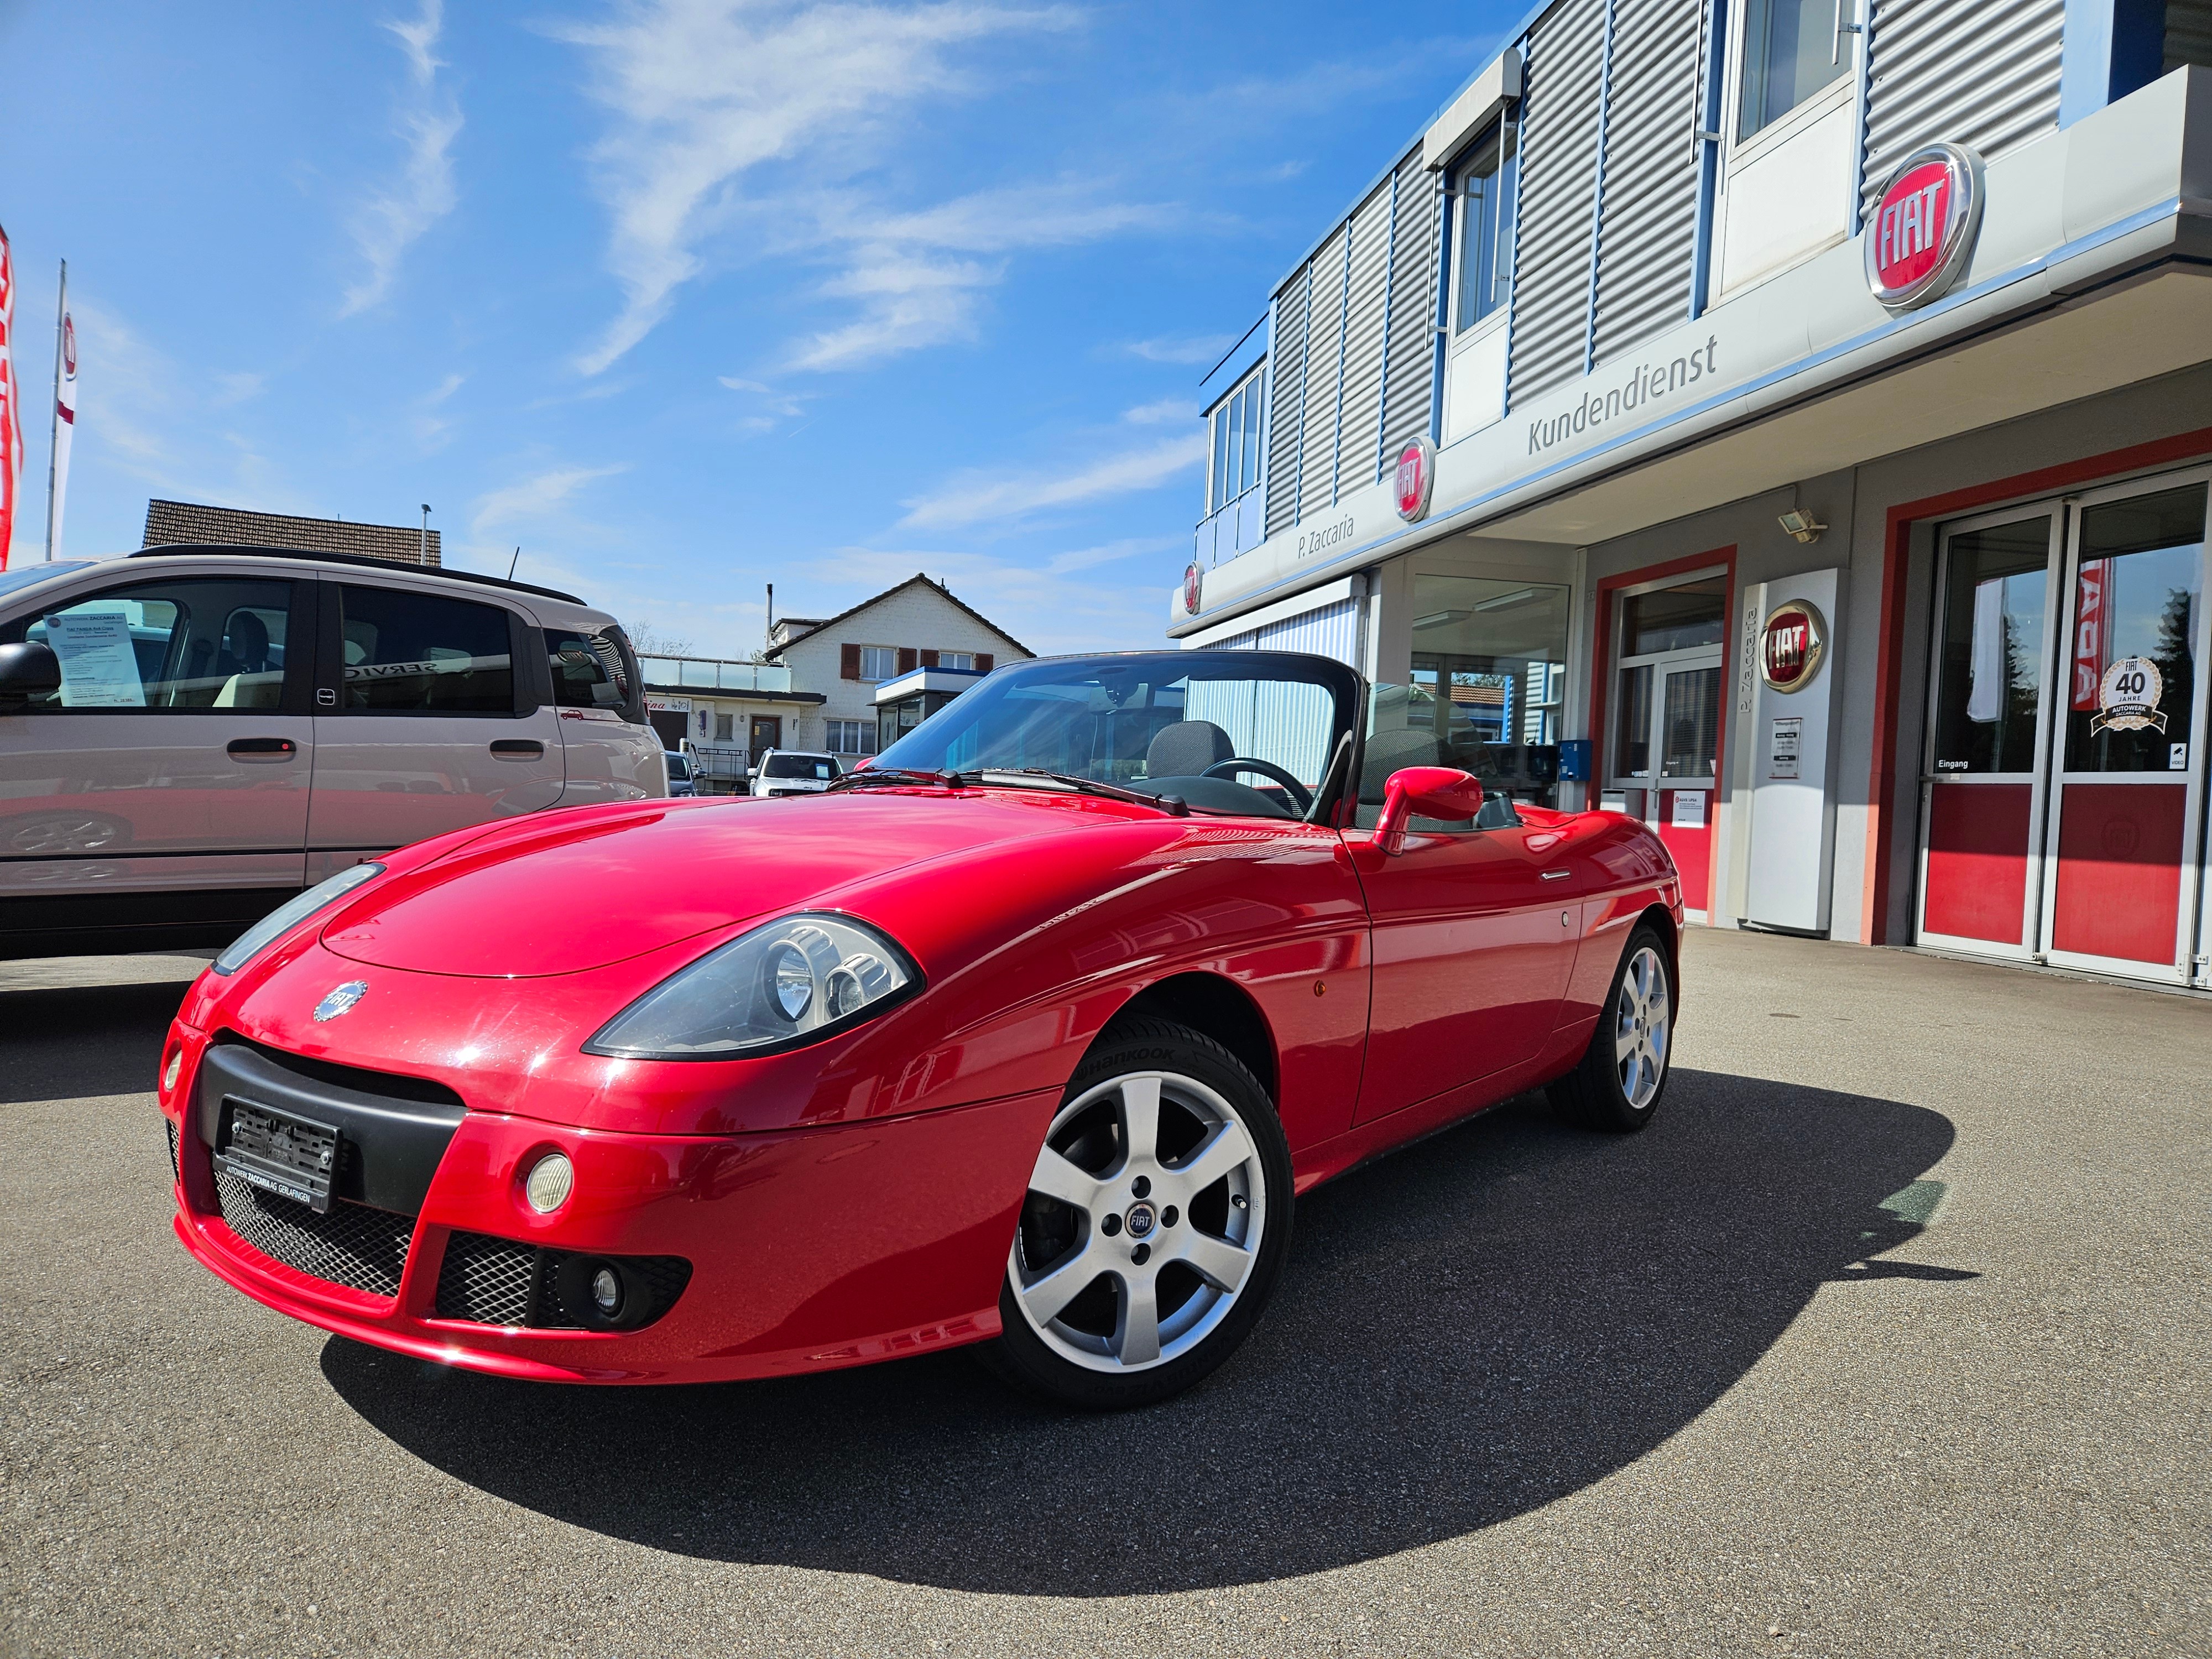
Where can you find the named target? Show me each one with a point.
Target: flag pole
(54, 431)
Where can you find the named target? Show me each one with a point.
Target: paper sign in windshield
(99, 668)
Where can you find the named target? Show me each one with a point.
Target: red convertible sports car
(1028, 1035)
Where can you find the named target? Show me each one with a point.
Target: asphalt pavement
(1890, 1336)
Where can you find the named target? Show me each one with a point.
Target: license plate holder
(279, 1152)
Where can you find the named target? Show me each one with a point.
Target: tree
(649, 642)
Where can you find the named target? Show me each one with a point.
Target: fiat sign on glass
(1791, 645)
(1921, 233)
(1416, 476)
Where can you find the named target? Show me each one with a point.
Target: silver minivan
(189, 735)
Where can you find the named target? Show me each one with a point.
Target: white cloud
(428, 119)
(1167, 409)
(1083, 558)
(534, 496)
(1200, 348)
(707, 93)
(237, 388)
(977, 496)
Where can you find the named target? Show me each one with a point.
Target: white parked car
(190, 735)
(793, 772)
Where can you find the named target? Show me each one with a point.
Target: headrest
(1393, 750)
(1186, 748)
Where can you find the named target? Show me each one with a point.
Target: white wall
(917, 617)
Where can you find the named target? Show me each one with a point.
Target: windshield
(1249, 732)
(678, 767)
(800, 766)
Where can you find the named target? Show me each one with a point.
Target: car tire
(1134, 1272)
(1617, 1084)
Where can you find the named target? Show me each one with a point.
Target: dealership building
(1789, 421)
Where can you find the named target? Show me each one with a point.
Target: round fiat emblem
(1791, 645)
(1192, 579)
(1141, 1220)
(1416, 476)
(1922, 231)
(341, 999)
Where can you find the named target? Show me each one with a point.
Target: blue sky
(687, 296)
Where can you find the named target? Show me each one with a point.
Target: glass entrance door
(2128, 797)
(1982, 792)
(2063, 802)
(1664, 754)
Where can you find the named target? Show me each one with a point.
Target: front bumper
(807, 1250)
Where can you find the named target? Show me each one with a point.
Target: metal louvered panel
(2188, 34)
(1287, 351)
(1359, 417)
(1951, 69)
(1648, 226)
(1409, 379)
(1559, 182)
(1324, 376)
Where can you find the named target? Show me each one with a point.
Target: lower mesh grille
(496, 1281)
(486, 1280)
(170, 1124)
(361, 1249)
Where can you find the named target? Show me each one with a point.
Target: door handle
(1555, 875)
(261, 749)
(518, 749)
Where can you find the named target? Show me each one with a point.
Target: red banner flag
(2093, 633)
(11, 400)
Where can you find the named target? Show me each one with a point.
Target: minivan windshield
(1248, 732)
(818, 767)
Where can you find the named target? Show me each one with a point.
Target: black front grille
(353, 1245)
(495, 1281)
(170, 1124)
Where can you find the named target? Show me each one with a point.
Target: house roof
(935, 588)
(189, 521)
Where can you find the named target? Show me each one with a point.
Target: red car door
(1473, 948)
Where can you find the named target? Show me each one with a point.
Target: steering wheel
(1237, 763)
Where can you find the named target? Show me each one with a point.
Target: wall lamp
(1801, 524)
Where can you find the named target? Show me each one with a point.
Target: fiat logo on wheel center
(1141, 1220)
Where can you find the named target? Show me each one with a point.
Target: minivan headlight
(791, 983)
(285, 917)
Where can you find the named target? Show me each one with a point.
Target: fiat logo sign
(1416, 476)
(1921, 232)
(1192, 579)
(1791, 645)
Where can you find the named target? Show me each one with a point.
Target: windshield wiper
(898, 774)
(1173, 805)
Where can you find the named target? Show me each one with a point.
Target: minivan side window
(583, 669)
(201, 644)
(421, 653)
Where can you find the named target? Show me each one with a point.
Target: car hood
(581, 890)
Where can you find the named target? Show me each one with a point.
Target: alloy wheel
(1643, 1023)
(1145, 1216)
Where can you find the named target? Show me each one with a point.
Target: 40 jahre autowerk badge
(2128, 697)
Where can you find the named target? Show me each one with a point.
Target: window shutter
(1324, 376)
(929, 660)
(1286, 377)
(1941, 71)
(1412, 371)
(1359, 400)
(1648, 226)
(983, 662)
(849, 662)
(908, 659)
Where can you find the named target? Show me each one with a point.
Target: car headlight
(791, 983)
(285, 917)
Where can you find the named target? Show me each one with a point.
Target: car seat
(1185, 749)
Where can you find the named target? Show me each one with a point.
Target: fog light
(176, 1064)
(551, 1179)
(606, 1291)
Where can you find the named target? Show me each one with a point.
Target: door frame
(2180, 970)
(2059, 510)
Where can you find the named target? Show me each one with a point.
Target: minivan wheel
(1157, 1217)
(1617, 1083)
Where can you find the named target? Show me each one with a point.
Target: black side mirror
(28, 670)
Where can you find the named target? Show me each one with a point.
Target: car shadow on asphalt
(69, 1042)
(1483, 1323)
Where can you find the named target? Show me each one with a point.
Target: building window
(1791, 49)
(878, 662)
(1234, 428)
(852, 737)
(963, 659)
(1486, 185)
(726, 728)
